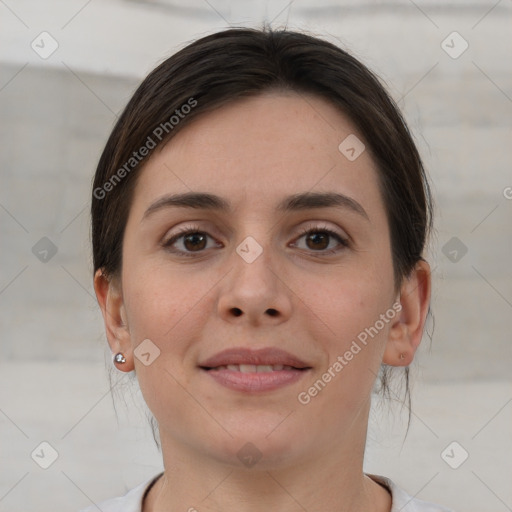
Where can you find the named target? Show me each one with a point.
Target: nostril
(272, 312)
(236, 311)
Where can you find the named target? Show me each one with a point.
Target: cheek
(348, 323)
(348, 300)
(157, 303)
(165, 310)
(351, 308)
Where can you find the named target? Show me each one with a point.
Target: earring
(119, 358)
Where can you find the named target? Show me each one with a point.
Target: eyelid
(344, 240)
(180, 232)
(323, 226)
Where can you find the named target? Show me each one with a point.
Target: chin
(257, 454)
(260, 442)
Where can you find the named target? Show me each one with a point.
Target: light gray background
(55, 116)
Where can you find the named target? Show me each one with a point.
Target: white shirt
(401, 501)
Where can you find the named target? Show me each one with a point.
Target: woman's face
(252, 279)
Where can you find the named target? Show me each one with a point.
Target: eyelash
(196, 229)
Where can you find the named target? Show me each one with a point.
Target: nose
(255, 292)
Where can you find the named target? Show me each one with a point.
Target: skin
(253, 153)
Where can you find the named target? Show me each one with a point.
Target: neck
(331, 481)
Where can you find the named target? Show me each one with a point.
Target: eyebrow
(295, 202)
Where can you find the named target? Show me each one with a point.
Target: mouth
(248, 370)
(253, 368)
(245, 359)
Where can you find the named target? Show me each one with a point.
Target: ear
(110, 299)
(405, 334)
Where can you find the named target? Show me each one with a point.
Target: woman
(259, 216)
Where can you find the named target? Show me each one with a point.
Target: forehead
(261, 149)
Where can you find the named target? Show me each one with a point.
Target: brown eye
(318, 240)
(194, 241)
(187, 242)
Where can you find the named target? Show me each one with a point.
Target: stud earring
(119, 358)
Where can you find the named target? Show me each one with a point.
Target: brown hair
(242, 62)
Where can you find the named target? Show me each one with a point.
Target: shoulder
(403, 502)
(130, 502)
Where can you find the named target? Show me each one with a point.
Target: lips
(254, 371)
(252, 368)
(248, 360)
